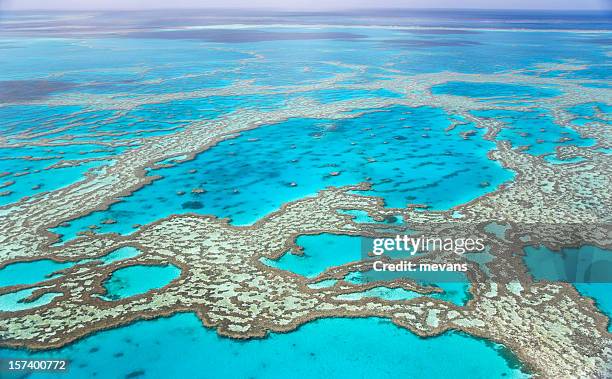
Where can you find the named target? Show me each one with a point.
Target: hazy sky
(306, 4)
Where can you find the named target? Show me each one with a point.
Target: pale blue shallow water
(328, 250)
(319, 253)
(138, 279)
(122, 283)
(44, 180)
(13, 301)
(330, 348)
(25, 273)
(455, 285)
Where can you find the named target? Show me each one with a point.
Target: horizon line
(303, 10)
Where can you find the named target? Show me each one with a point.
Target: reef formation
(550, 327)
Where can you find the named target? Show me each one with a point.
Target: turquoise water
(587, 264)
(601, 293)
(554, 160)
(11, 302)
(138, 279)
(123, 283)
(323, 284)
(320, 252)
(32, 272)
(404, 152)
(47, 155)
(588, 112)
(393, 294)
(328, 348)
(24, 273)
(323, 251)
(535, 129)
(588, 268)
(36, 118)
(455, 285)
(453, 292)
(120, 254)
(41, 181)
(494, 91)
(589, 109)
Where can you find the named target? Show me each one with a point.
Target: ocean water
(495, 91)
(180, 346)
(125, 282)
(36, 182)
(404, 152)
(120, 254)
(591, 109)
